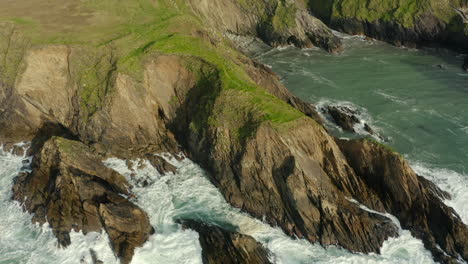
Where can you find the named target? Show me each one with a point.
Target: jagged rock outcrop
(294, 180)
(275, 22)
(410, 23)
(228, 247)
(294, 175)
(347, 118)
(230, 114)
(71, 189)
(266, 78)
(415, 201)
(80, 90)
(343, 116)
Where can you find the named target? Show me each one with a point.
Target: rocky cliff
(165, 82)
(409, 23)
(226, 246)
(415, 201)
(277, 22)
(72, 190)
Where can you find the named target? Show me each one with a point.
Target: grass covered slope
(403, 12)
(132, 78)
(111, 37)
(402, 22)
(276, 22)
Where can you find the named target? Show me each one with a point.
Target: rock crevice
(72, 190)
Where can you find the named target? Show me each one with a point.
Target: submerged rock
(347, 118)
(71, 189)
(228, 247)
(344, 117)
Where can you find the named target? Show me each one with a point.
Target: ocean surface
(416, 100)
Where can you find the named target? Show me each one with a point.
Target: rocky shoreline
(266, 150)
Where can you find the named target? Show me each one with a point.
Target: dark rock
(94, 257)
(427, 29)
(223, 246)
(295, 176)
(296, 180)
(71, 189)
(160, 164)
(434, 189)
(277, 23)
(344, 117)
(368, 129)
(465, 64)
(415, 201)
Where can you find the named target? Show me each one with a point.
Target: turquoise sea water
(419, 108)
(417, 100)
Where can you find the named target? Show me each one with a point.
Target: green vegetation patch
(13, 47)
(403, 12)
(375, 142)
(285, 15)
(92, 70)
(120, 36)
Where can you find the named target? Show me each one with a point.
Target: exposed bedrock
(80, 90)
(255, 139)
(294, 175)
(226, 246)
(343, 116)
(72, 190)
(275, 22)
(414, 200)
(410, 23)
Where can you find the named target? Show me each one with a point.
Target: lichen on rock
(73, 191)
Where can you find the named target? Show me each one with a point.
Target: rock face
(230, 114)
(298, 181)
(295, 176)
(72, 190)
(56, 87)
(415, 201)
(465, 64)
(227, 247)
(409, 23)
(275, 22)
(347, 118)
(266, 78)
(343, 116)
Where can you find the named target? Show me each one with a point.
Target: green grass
(285, 15)
(375, 142)
(402, 11)
(124, 35)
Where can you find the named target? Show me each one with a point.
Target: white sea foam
(189, 194)
(392, 98)
(186, 194)
(361, 113)
(23, 242)
(450, 181)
